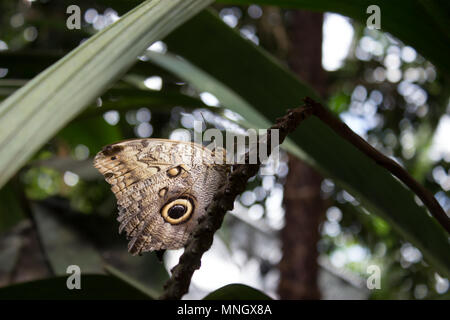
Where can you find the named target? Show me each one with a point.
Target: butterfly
(162, 187)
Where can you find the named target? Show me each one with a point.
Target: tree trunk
(303, 204)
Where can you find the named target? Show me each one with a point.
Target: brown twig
(202, 237)
(393, 167)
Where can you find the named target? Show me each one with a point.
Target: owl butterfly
(162, 188)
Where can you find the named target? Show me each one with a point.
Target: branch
(202, 236)
(393, 167)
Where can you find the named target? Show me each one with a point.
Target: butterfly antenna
(204, 120)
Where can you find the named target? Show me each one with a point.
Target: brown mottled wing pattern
(147, 174)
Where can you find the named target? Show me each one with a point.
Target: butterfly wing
(161, 186)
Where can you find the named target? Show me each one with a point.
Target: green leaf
(132, 282)
(339, 102)
(237, 291)
(122, 98)
(59, 228)
(422, 24)
(26, 64)
(127, 99)
(254, 79)
(11, 211)
(34, 113)
(93, 287)
(63, 245)
(204, 82)
(94, 133)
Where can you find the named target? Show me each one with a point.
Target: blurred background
(293, 234)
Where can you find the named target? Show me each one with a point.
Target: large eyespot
(177, 211)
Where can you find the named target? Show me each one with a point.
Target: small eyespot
(177, 211)
(162, 192)
(173, 172)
